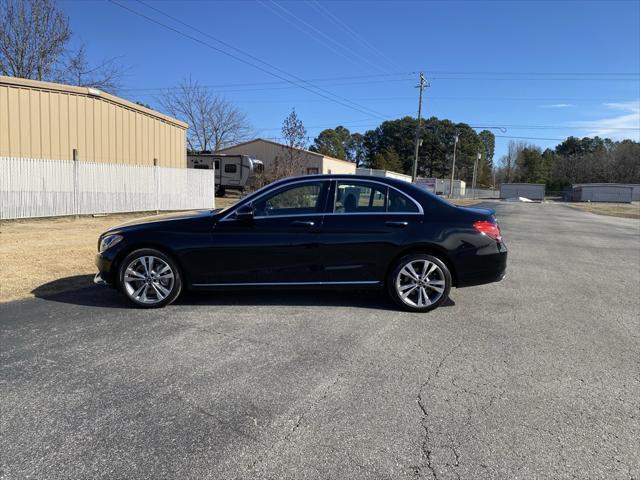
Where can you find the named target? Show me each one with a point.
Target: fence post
(76, 203)
(155, 181)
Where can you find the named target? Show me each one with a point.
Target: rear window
(230, 168)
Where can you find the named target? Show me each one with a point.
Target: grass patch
(624, 210)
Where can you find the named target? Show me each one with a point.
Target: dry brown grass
(54, 254)
(625, 210)
(465, 201)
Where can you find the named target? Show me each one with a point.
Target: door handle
(397, 224)
(302, 223)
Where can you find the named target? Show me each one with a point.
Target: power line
(319, 7)
(312, 28)
(324, 79)
(270, 65)
(503, 72)
(552, 127)
(554, 79)
(531, 138)
(406, 76)
(208, 45)
(359, 123)
(221, 88)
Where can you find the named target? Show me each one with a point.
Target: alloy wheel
(420, 283)
(148, 279)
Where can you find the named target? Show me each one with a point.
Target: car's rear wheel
(149, 278)
(419, 282)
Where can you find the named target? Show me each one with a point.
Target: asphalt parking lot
(534, 377)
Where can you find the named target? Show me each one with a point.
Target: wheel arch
(428, 249)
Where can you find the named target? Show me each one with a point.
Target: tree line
(390, 146)
(575, 160)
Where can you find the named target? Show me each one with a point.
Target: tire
(152, 287)
(408, 290)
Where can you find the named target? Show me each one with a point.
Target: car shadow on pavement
(79, 290)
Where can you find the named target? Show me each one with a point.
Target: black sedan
(313, 231)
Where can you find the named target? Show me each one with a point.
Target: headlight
(109, 241)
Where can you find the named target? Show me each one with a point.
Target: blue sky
(538, 69)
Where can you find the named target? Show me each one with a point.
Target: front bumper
(98, 280)
(105, 262)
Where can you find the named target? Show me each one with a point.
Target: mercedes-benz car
(319, 231)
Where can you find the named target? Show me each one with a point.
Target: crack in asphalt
(426, 450)
(456, 456)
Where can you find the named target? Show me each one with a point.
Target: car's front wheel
(419, 282)
(149, 278)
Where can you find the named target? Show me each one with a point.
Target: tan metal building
(270, 152)
(50, 121)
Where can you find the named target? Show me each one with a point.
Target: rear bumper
(483, 269)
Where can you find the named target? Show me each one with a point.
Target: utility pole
(421, 86)
(453, 167)
(475, 175)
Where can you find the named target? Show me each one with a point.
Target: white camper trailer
(233, 172)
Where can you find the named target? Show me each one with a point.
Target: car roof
(411, 189)
(345, 176)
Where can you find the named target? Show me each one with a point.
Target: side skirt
(364, 284)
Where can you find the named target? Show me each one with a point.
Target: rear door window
(355, 197)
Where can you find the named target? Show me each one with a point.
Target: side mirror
(245, 212)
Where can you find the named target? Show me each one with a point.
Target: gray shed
(635, 193)
(532, 191)
(603, 192)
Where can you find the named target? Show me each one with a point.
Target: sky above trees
(542, 70)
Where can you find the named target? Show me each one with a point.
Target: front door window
(298, 200)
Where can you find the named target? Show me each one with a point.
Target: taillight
(490, 229)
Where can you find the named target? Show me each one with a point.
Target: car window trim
(333, 184)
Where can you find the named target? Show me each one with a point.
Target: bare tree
(214, 122)
(33, 44)
(295, 137)
(510, 160)
(33, 36)
(106, 76)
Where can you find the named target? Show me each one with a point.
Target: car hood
(166, 217)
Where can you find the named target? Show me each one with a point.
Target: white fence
(45, 188)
